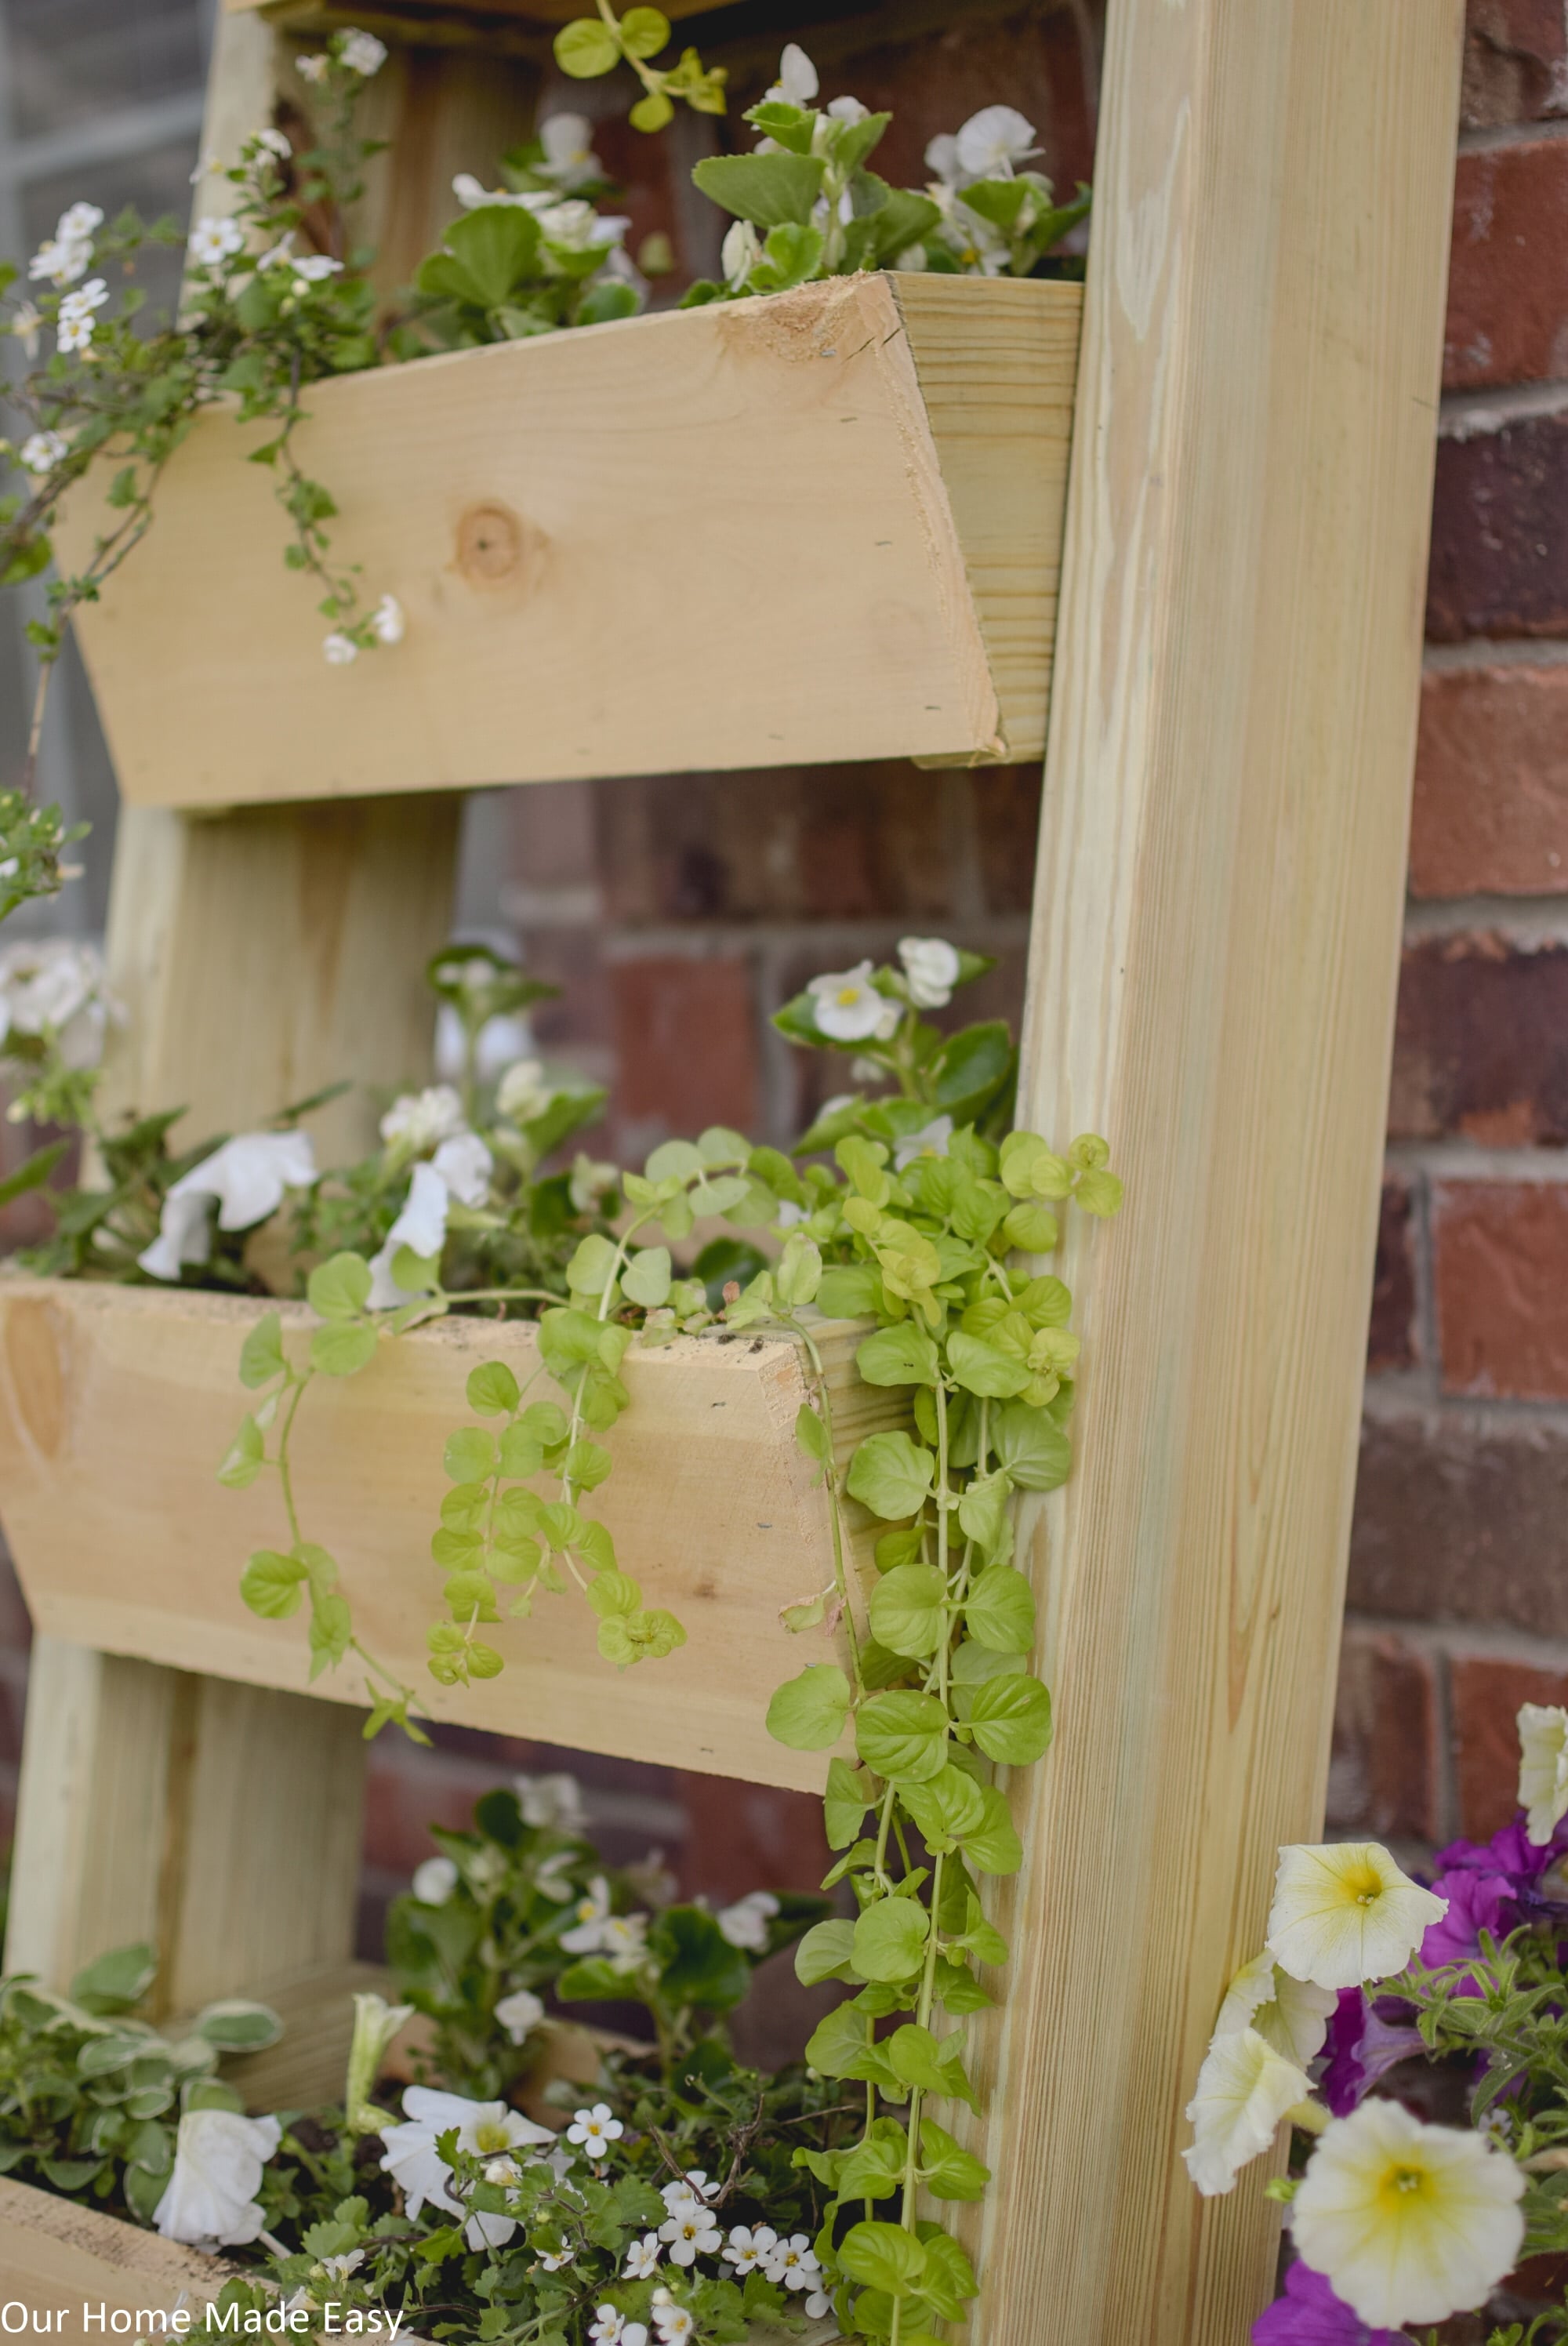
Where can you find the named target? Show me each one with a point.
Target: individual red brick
(686, 1042)
(1501, 1271)
(1500, 532)
(1508, 273)
(1391, 1340)
(1384, 1776)
(1491, 814)
(1480, 1042)
(1456, 1521)
(1486, 1691)
(1007, 817)
(742, 1837)
(1515, 63)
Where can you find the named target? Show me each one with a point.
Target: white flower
(1542, 1753)
(590, 1181)
(748, 2249)
(363, 53)
(642, 2257)
(418, 1120)
(554, 2263)
(73, 334)
(465, 1165)
(992, 141)
(215, 240)
(1244, 2089)
(376, 2023)
(745, 1924)
(388, 624)
(931, 1140)
(595, 2130)
(586, 1935)
(674, 2324)
(818, 2304)
(523, 1091)
(740, 253)
(314, 267)
(24, 324)
(338, 649)
(77, 222)
(931, 966)
(1343, 1913)
(569, 157)
(610, 2328)
(848, 1008)
(248, 1177)
(61, 260)
(473, 195)
(339, 2267)
(1409, 2222)
(485, 2130)
(210, 2202)
(275, 143)
(624, 1939)
(693, 2190)
(57, 987)
(206, 166)
(549, 1879)
(1290, 2014)
(277, 254)
(435, 1881)
(846, 109)
(75, 308)
(692, 2232)
(312, 67)
(519, 2012)
(794, 2263)
(796, 84)
(42, 451)
(552, 1803)
(579, 227)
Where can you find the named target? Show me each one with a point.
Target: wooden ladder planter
(1214, 954)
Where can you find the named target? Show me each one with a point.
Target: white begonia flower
(750, 2248)
(388, 624)
(338, 649)
(1343, 1913)
(584, 1937)
(1542, 1755)
(419, 1120)
(740, 252)
(1409, 2222)
(362, 54)
(931, 967)
(1245, 2088)
(794, 2262)
(210, 2201)
(846, 109)
(247, 1178)
(579, 227)
(931, 1140)
(275, 142)
(57, 986)
(524, 1092)
(1290, 2014)
(314, 268)
(215, 240)
(484, 2129)
(642, 2257)
(596, 2129)
(42, 451)
(691, 2230)
(473, 195)
(313, 66)
(77, 222)
(61, 261)
(550, 1881)
(797, 82)
(554, 1804)
(941, 157)
(992, 141)
(745, 1924)
(435, 1881)
(624, 1939)
(520, 2013)
(848, 1009)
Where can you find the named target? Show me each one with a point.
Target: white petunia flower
(794, 2262)
(420, 1226)
(312, 67)
(42, 451)
(745, 1924)
(1244, 2089)
(418, 1120)
(554, 1804)
(314, 267)
(77, 222)
(376, 2023)
(210, 2201)
(796, 84)
(992, 141)
(338, 649)
(435, 1881)
(524, 1093)
(520, 2013)
(275, 142)
(465, 1165)
(595, 2130)
(484, 2129)
(388, 624)
(1543, 1754)
(642, 2257)
(748, 2249)
(848, 1009)
(1290, 2014)
(214, 240)
(1409, 2222)
(57, 987)
(931, 1140)
(740, 253)
(691, 2231)
(247, 1178)
(1343, 1913)
(363, 53)
(62, 259)
(930, 967)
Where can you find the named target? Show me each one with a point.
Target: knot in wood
(490, 544)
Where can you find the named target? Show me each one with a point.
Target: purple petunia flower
(1477, 1902)
(1366, 2037)
(1510, 1851)
(1310, 2314)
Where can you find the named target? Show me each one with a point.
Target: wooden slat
(117, 1404)
(57, 2256)
(766, 470)
(1216, 933)
(435, 21)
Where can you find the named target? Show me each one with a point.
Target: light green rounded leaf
(262, 1354)
(238, 2026)
(808, 1713)
(643, 32)
(653, 110)
(992, 1846)
(849, 1795)
(585, 47)
(891, 1476)
(339, 1290)
(947, 2169)
(949, 1807)
(907, 1611)
(1033, 1228)
(244, 1461)
(272, 1584)
(673, 1161)
(593, 1266)
(889, 1938)
(1099, 1192)
(901, 1355)
(1000, 1612)
(825, 1953)
(469, 1455)
(646, 1277)
(903, 1736)
(1012, 1719)
(798, 1273)
(1034, 1449)
(984, 1369)
(492, 1389)
(884, 2257)
(343, 1348)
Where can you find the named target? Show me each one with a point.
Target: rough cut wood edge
(117, 1404)
(57, 2255)
(534, 503)
(1214, 944)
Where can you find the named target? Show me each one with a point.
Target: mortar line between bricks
(1494, 651)
(1530, 919)
(696, 943)
(1486, 140)
(1489, 1641)
(1483, 1415)
(1467, 415)
(1429, 1352)
(1467, 1160)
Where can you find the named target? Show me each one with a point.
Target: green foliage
(592, 45)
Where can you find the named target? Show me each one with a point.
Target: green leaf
(791, 255)
(643, 32)
(905, 220)
(951, 1805)
(903, 1736)
(1098, 1192)
(884, 2257)
(343, 1348)
(469, 1455)
(999, 1611)
(766, 188)
(875, 2168)
(825, 1953)
(799, 1272)
(646, 1277)
(272, 1584)
(339, 1290)
(497, 246)
(982, 1368)
(901, 1355)
(1012, 1719)
(808, 1713)
(1032, 1448)
(585, 47)
(838, 2046)
(972, 1070)
(994, 1846)
(651, 113)
(889, 1939)
(948, 2281)
(331, 1627)
(810, 1434)
(849, 1796)
(588, 1463)
(116, 1981)
(949, 2171)
(891, 1476)
(245, 1460)
(983, 1511)
(1031, 1227)
(593, 1266)
(492, 1389)
(33, 1172)
(262, 1354)
(697, 1963)
(907, 1610)
(236, 2026)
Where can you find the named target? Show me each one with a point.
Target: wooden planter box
(117, 1405)
(57, 2256)
(819, 525)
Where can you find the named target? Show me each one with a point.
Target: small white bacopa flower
(690, 2231)
(363, 53)
(520, 2013)
(338, 649)
(274, 142)
(77, 222)
(610, 2327)
(211, 2202)
(931, 968)
(313, 66)
(1343, 1913)
(1244, 2089)
(848, 1009)
(73, 324)
(750, 2248)
(595, 2130)
(674, 2324)
(214, 239)
(245, 1179)
(552, 1802)
(484, 2129)
(25, 322)
(42, 451)
(794, 2262)
(1543, 1754)
(745, 1924)
(388, 624)
(314, 269)
(642, 2257)
(61, 260)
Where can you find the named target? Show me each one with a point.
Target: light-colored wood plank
(57, 2256)
(766, 470)
(1215, 934)
(117, 1404)
(265, 955)
(435, 20)
(309, 2065)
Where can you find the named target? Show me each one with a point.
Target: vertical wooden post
(1216, 933)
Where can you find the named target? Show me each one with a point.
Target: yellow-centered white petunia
(1292, 2015)
(1343, 1913)
(1409, 2222)
(1244, 2089)
(1542, 1768)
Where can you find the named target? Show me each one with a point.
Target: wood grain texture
(766, 470)
(117, 1404)
(56, 2255)
(1216, 929)
(436, 22)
